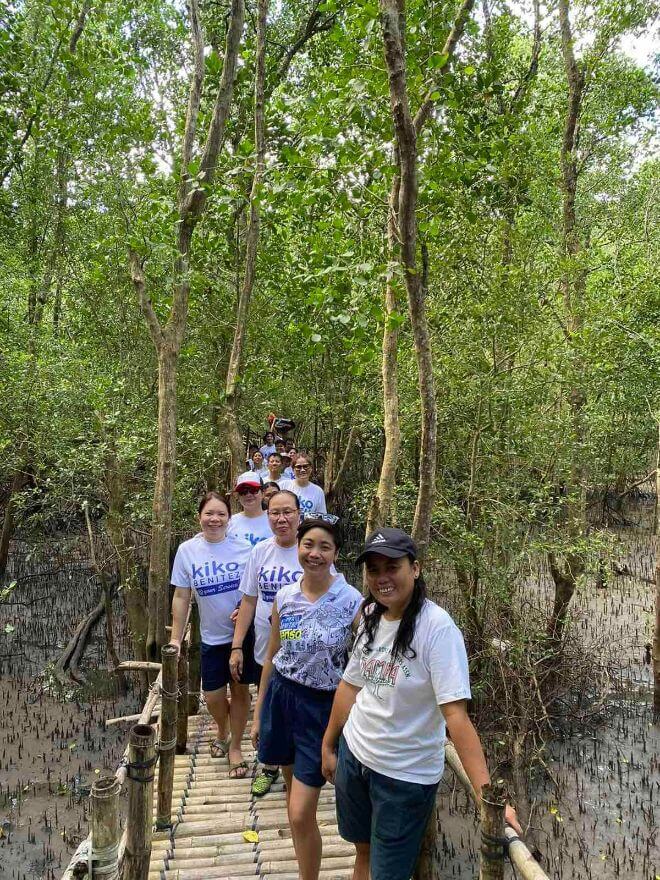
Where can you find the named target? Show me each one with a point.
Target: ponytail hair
(372, 611)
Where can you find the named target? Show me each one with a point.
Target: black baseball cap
(394, 543)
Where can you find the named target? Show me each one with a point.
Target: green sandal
(263, 781)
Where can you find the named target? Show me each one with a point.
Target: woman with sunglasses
(405, 684)
(211, 564)
(252, 524)
(311, 496)
(272, 564)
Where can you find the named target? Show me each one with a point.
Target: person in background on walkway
(275, 469)
(311, 630)
(406, 681)
(269, 444)
(272, 565)
(270, 489)
(258, 466)
(249, 458)
(287, 470)
(212, 564)
(252, 524)
(312, 497)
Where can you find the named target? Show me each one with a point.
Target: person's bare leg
(238, 716)
(302, 804)
(361, 867)
(218, 706)
(287, 773)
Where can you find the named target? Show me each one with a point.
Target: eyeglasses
(301, 467)
(287, 514)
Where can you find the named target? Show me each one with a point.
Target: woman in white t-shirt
(211, 564)
(312, 497)
(312, 624)
(406, 682)
(252, 524)
(273, 564)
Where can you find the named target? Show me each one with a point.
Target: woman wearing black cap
(406, 681)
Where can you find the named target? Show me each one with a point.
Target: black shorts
(215, 664)
(293, 721)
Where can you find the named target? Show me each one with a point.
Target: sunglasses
(248, 491)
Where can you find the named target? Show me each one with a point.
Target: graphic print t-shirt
(270, 567)
(396, 726)
(315, 635)
(250, 529)
(213, 570)
(311, 497)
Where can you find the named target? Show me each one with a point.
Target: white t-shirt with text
(269, 568)
(396, 726)
(315, 636)
(213, 570)
(311, 497)
(252, 529)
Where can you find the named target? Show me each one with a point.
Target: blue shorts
(293, 722)
(215, 664)
(389, 814)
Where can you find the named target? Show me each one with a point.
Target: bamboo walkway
(212, 816)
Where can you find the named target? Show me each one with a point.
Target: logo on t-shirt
(381, 671)
(290, 627)
(271, 579)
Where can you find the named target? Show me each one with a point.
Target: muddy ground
(596, 805)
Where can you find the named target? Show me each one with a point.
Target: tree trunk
(161, 529)
(573, 286)
(232, 384)
(167, 338)
(656, 631)
(135, 597)
(381, 503)
(17, 483)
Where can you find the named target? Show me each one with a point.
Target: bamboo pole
(104, 800)
(493, 802)
(142, 758)
(182, 708)
(168, 736)
(194, 661)
(520, 856)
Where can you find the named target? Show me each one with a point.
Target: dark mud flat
(596, 804)
(53, 742)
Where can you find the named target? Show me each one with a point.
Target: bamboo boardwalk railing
(218, 830)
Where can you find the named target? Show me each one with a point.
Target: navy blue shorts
(389, 814)
(293, 722)
(215, 664)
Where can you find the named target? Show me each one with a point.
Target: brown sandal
(238, 771)
(219, 748)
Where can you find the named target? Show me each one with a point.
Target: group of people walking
(354, 691)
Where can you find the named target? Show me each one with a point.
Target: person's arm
(180, 605)
(468, 747)
(274, 645)
(245, 617)
(321, 506)
(341, 708)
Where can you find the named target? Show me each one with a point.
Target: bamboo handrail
(521, 857)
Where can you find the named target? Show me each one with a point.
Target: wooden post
(168, 736)
(194, 661)
(182, 708)
(140, 780)
(493, 801)
(104, 800)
